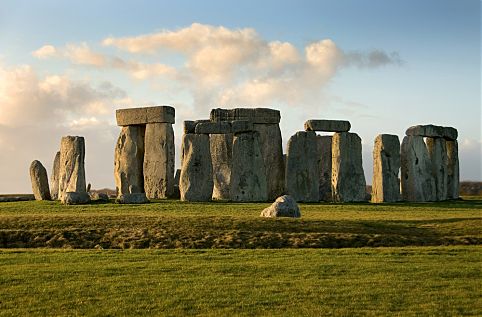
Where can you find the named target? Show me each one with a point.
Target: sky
(65, 66)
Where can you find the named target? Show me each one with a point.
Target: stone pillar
(437, 152)
(347, 178)
(54, 177)
(40, 181)
(129, 159)
(272, 153)
(324, 154)
(417, 182)
(248, 176)
(221, 146)
(386, 166)
(196, 181)
(159, 160)
(302, 167)
(72, 169)
(453, 186)
(266, 122)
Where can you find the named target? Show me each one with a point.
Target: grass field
(421, 281)
(223, 259)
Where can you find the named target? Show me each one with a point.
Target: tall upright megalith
(386, 167)
(40, 181)
(54, 177)
(72, 168)
(453, 186)
(129, 159)
(437, 151)
(221, 146)
(266, 122)
(196, 180)
(347, 180)
(159, 160)
(324, 154)
(248, 176)
(417, 182)
(302, 167)
(149, 152)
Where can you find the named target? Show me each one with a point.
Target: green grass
(420, 281)
(174, 224)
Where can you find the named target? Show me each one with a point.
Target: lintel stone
(144, 115)
(255, 115)
(328, 125)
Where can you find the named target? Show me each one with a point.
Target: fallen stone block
(75, 198)
(134, 198)
(284, 206)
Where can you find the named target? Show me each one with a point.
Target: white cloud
(45, 52)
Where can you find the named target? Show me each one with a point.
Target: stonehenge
(237, 155)
(144, 154)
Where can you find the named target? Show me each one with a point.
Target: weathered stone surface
(272, 152)
(255, 115)
(189, 126)
(437, 151)
(248, 177)
(196, 182)
(240, 126)
(221, 155)
(129, 160)
(54, 177)
(302, 167)
(176, 194)
(159, 160)
(99, 197)
(144, 115)
(75, 198)
(347, 179)
(324, 154)
(72, 169)
(453, 185)
(219, 127)
(284, 206)
(386, 167)
(417, 182)
(433, 131)
(450, 133)
(328, 125)
(134, 198)
(40, 181)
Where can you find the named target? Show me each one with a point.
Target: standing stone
(347, 178)
(196, 183)
(302, 167)
(72, 170)
(176, 194)
(453, 186)
(437, 152)
(248, 177)
(159, 160)
(221, 146)
(40, 181)
(417, 182)
(324, 154)
(54, 177)
(129, 160)
(272, 152)
(386, 166)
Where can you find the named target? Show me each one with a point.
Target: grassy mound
(174, 224)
